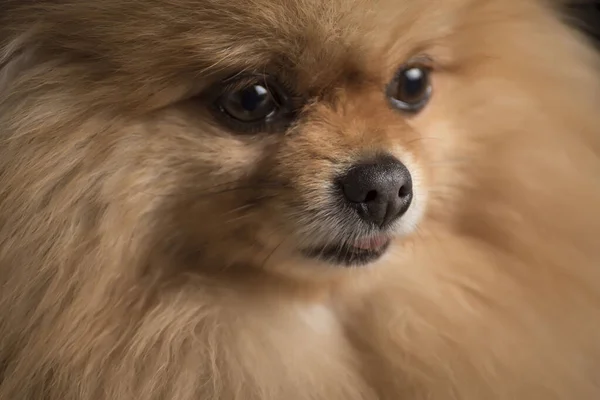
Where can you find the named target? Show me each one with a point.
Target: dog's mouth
(356, 253)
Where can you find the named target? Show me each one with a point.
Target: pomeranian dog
(298, 200)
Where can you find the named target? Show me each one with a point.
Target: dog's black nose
(381, 190)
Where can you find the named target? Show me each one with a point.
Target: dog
(298, 199)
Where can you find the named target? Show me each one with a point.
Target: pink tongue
(371, 244)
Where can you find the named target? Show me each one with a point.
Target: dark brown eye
(250, 104)
(411, 89)
(254, 104)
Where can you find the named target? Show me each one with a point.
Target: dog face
(300, 146)
(274, 134)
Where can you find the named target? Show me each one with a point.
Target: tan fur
(148, 253)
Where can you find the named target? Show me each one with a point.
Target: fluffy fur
(147, 252)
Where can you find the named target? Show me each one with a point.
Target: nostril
(404, 191)
(371, 196)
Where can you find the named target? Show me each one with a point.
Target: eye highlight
(253, 104)
(411, 89)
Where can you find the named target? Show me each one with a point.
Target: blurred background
(586, 16)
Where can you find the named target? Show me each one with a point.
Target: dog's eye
(254, 104)
(249, 104)
(411, 88)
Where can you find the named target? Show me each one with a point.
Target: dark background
(586, 16)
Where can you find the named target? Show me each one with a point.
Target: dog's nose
(381, 191)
